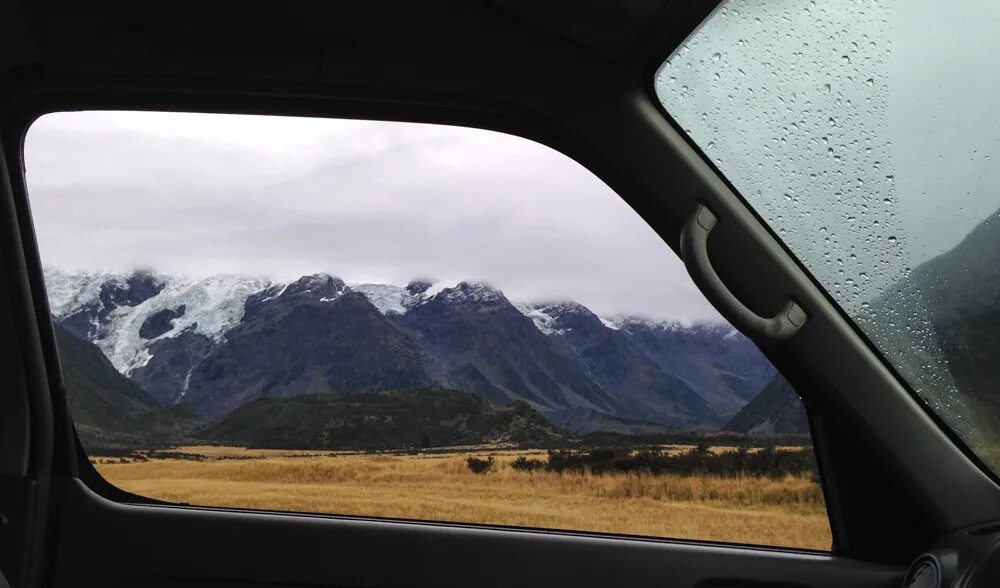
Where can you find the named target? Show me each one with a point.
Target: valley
(439, 486)
(453, 405)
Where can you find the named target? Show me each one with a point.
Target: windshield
(867, 134)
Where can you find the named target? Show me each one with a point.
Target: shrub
(699, 460)
(480, 466)
(527, 465)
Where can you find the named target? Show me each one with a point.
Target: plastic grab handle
(694, 252)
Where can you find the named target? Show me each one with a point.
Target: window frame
(844, 479)
(511, 123)
(649, 88)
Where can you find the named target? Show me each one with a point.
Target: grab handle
(694, 252)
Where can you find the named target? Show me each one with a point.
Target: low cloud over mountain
(216, 344)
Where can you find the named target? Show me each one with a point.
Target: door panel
(593, 111)
(97, 542)
(103, 543)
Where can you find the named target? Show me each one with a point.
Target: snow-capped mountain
(392, 299)
(111, 309)
(216, 343)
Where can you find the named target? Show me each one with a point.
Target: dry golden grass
(787, 512)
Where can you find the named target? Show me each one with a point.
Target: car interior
(909, 502)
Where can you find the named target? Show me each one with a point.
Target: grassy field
(439, 486)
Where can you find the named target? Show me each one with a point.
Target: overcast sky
(198, 194)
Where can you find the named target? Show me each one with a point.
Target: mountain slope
(106, 407)
(723, 366)
(479, 341)
(644, 390)
(152, 327)
(313, 336)
(396, 419)
(584, 421)
(777, 410)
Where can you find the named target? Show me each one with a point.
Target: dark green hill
(107, 408)
(396, 419)
(777, 410)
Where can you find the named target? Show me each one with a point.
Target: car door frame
(854, 480)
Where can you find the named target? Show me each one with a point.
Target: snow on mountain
(211, 306)
(609, 324)
(629, 323)
(387, 298)
(208, 306)
(546, 315)
(327, 287)
(71, 290)
(543, 321)
(392, 299)
(471, 292)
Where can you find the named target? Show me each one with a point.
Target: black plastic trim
(387, 553)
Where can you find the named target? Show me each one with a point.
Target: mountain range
(165, 353)
(212, 345)
(112, 413)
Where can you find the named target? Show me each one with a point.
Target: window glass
(866, 135)
(399, 320)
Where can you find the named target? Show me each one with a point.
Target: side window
(399, 320)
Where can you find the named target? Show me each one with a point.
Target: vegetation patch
(381, 421)
(742, 461)
(478, 465)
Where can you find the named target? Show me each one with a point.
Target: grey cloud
(367, 201)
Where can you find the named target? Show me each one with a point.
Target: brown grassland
(439, 486)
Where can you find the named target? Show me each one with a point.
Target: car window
(865, 135)
(399, 320)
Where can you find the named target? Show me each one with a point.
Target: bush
(480, 466)
(527, 465)
(699, 460)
